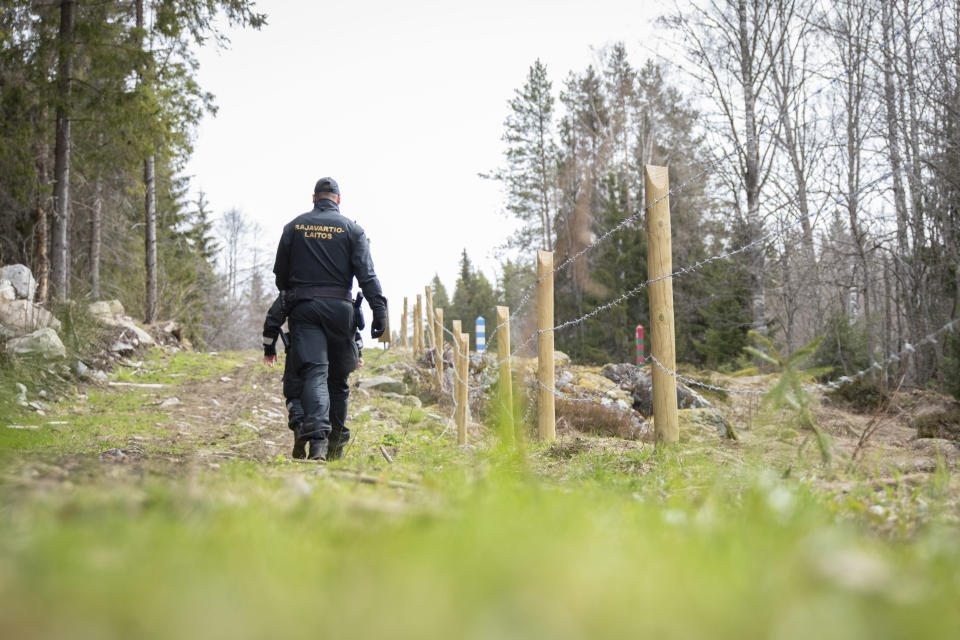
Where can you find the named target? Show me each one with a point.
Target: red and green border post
(640, 358)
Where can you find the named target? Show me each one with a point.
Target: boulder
(592, 384)
(561, 360)
(106, 308)
(639, 382)
(407, 401)
(7, 292)
(705, 421)
(383, 384)
(44, 343)
(20, 279)
(21, 317)
(110, 314)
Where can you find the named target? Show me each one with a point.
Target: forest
(812, 147)
(813, 168)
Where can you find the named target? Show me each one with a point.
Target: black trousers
(321, 333)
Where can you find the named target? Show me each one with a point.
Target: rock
(564, 379)
(169, 402)
(21, 394)
(99, 309)
(594, 384)
(702, 420)
(407, 401)
(639, 382)
(22, 317)
(110, 313)
(106, 308)
(561, 360)
(122, 347)
(81, 369)
(383, 384)
(7, 292)
(44, 343)
(21, 280)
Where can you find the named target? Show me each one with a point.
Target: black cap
(326, 185)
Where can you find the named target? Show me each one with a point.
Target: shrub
(589, 417)
(844, 346)
(861, 395)
(950, 365)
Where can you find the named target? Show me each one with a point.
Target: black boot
(335, 452)
(299, 449)
(318, 449)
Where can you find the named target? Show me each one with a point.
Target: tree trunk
(751, 177)
(61, 168)
(150, 238)
(150, 216)
(896, 164)
(42, 236)
(96, 217)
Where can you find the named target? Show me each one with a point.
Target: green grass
(180, 366)
(561, 541)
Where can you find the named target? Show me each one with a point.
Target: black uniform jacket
(323, 248)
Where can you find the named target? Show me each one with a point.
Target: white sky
(403, 104)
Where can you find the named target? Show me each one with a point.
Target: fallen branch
(386, 456)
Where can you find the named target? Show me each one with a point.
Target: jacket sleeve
(273, 325)
(281, 266)
(362, 265)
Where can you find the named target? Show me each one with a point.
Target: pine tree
(440, 299)
(530, 173)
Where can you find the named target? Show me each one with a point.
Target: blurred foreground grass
(596, 543)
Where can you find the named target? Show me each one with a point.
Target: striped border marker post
(640, 358)
(481, 335)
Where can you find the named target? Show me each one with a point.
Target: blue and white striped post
(481, 335)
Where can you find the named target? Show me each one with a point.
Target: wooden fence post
(432, 331)
(666, 424)
(464, 399)
(418, 326)
(506, 377)
(438, 330)
(403, 324)
(546, 409)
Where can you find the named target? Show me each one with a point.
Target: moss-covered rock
(700, 421)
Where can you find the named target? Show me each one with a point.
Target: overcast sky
(403, 104)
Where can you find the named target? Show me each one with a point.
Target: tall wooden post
(438, 330)
(455, 325)
(546, 409)
(666, 425)
(432, 331)
(403, 324)
(464, 399)
(506, 377)
(418, 326)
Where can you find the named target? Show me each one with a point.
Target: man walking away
(319, 254)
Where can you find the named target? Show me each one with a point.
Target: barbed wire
(908, 349)
(701, 263)
(691, 382)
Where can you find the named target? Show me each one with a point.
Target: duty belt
(307, 293)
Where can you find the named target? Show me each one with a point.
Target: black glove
(378, 326)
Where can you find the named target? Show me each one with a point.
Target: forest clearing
(662, 340)
(174, 511)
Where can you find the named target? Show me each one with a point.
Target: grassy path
(173, 512)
